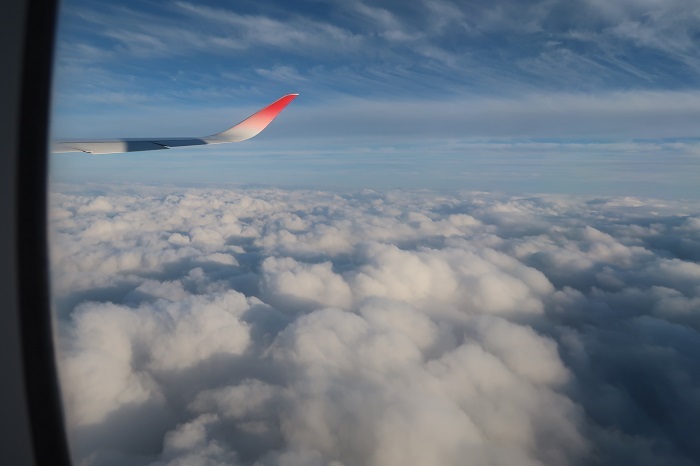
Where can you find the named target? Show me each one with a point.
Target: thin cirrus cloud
(285, 327)
(584, 46)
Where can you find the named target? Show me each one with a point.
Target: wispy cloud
(294, 34)
(435, 46)
(286, 74)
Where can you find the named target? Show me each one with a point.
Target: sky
(602, 94)
(472, 238)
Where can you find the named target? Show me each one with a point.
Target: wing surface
(246, 129)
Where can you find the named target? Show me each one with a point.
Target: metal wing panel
(246, 129)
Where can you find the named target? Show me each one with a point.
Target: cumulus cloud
(273, 327)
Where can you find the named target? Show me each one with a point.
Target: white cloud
(287, 284)
(276, 327)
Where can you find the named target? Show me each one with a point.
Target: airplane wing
(246, 129)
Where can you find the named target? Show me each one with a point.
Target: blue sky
(585, 96)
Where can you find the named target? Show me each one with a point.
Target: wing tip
(254, 124)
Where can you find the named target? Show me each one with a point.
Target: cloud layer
(277, 327)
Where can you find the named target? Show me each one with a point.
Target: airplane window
(471, 238)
